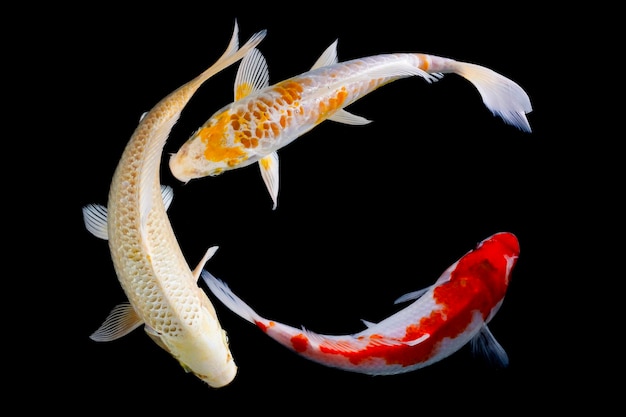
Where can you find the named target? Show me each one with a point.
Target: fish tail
(502, 96)
(232, 54)
(221, 290)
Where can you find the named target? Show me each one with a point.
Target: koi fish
(443, 318)
(264, 118)
(162, 291)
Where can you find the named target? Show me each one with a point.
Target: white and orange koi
(162, 291)
(444, 317)
(264, 118)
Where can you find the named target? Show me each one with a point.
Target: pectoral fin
(252, 74)
(486, 345)
(95, 218)
(269, 172)
(95, 215)
(167, 194)
(121, 320)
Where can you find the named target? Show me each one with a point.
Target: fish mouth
(185, 172)
(222, 379)
(178, 170)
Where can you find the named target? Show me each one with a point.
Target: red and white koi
(264, 118)
(162, 290)
(444, 317)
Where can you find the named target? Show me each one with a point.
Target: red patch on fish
(263, 326)
(477, 284)
(299, 342)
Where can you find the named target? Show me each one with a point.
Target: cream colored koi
(265, 118)
(162, 290)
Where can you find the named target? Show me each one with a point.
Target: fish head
(217, 146)
(493, 261)
(215, 365)
(202, 350)
(503, 244)
(508, 242)
(208, 356)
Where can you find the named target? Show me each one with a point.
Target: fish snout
(222, 378)
(179, 170)
(184, 169)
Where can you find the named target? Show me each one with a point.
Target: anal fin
(343, 116)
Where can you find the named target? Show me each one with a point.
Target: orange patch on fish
(290, 94)
(328, 107)
(424, 64)
(254, 122)
(263, 326)
(266, 163)
(243, 90)
(216, 145)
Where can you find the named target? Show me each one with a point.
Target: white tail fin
(502, 96)
(228, 298)
(231, 55)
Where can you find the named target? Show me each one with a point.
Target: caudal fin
(231, 55)
(502, 96)
(228, 298)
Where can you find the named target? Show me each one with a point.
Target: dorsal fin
(252, 74)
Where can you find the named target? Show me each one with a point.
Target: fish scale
(142, 259)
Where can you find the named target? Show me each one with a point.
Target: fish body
(162, 290)
(265, 118)
(440, 320)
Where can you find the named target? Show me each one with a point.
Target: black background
(365, 213)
